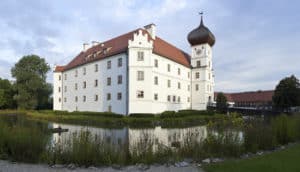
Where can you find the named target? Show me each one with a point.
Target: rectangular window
(188, 74)
(120, 79)
(96, 97)
(76, 86)
(140, 56)
(140, 75)
(109, 64)
(96, 67)
(156, 80)
(84, 84)
(59, 89)
(65, 99)
(197, 87)
(96, 83)
(84, 71)
(189, 88)
(179, 85)
(65, 76)
(108, 96)
(197, 75)
(59, 100)
(155, 96)
(76, 73)
(198, 63)
(209, 76)
(76, 99)
(140, 94)
(119, 62)
(84, 98)
(109, 108)
(155, 63)
(169, 83)
(109, 81)
(119, 96)
(169, 68)
(174, 98)
(169, 98)
(59, 77)
(178, 99)
(178, 71)
(65, 88)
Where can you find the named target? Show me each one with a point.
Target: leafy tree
(6, 95)
(287, 93)
(221, 103)
(32, 89)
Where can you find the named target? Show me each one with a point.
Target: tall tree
(287, 93)
(221, 103)
(6, 94)
(32, 89)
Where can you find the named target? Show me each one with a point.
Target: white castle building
(138, 72)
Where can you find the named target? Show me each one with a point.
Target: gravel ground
(6, 166)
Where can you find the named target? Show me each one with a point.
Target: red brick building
(253, 99)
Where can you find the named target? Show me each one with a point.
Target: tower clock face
(198, 52)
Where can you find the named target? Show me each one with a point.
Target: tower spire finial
(201, 14)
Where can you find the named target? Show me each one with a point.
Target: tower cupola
(201, 35)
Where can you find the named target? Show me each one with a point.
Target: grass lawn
(283, 161)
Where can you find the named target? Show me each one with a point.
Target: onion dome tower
(201, 35)
(201, 40)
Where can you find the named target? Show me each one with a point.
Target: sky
(257, 41)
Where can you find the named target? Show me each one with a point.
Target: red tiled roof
(120, 45)
(254, 96)
(59, 68)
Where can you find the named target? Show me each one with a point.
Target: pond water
(167, 137)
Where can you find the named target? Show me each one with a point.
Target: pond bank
(108, 120)
(12, 167)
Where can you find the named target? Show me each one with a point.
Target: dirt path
(6, 166)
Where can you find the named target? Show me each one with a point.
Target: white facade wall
(148, 104)
(69, 94)
(57, 91)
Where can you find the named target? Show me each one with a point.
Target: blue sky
(257, 41)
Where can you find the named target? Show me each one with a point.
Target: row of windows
(169, 68)
(96, 97)
(84, 85)
(140, 57)
(140, 94)
(197, 75)
(96, 68)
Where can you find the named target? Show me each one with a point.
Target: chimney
(151, 29)
(94, 43)
(85, 46)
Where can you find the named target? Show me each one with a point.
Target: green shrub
(142, 115)
(87, 113)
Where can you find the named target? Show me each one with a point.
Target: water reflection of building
(109, 136)
(130, 138)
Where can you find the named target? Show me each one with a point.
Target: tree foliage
(6, 94)
(32, 89)
(221, 102)
(287, 93)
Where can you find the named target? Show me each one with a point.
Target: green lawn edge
(112, 122)
(287, 160)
